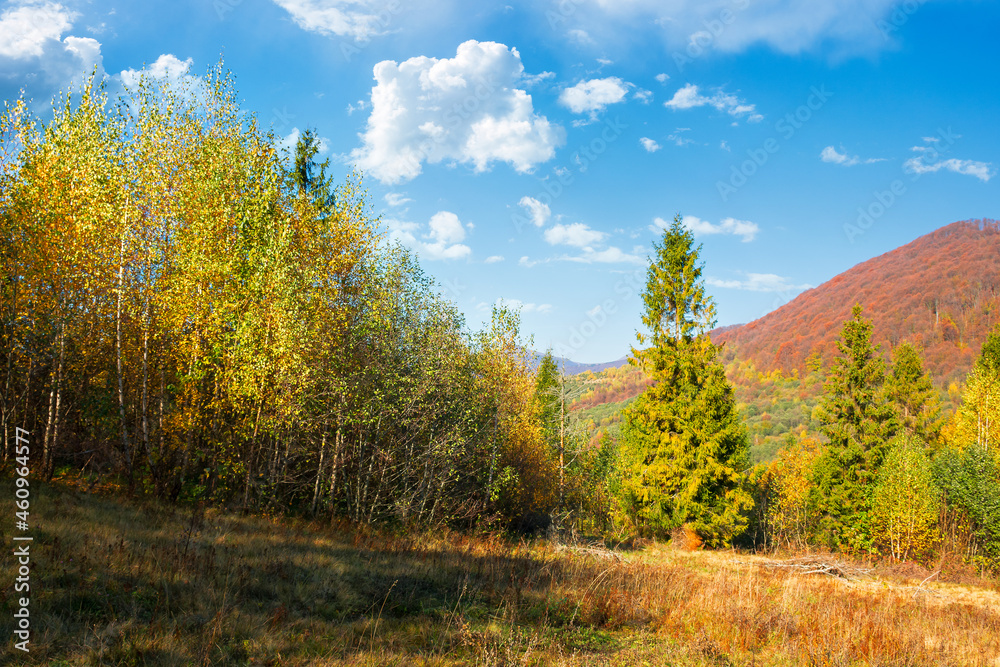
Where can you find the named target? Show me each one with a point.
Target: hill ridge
(944, 295)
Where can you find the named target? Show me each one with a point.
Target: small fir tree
(858, 419)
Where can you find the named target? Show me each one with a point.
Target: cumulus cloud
(467, 109)
(175, 72)
(688, 97)
(650, 145)
(662, 77)
(26, 28)
(595, 95)
(759, 282)
(442, 240)
(537, 211)
(926, 162)
(35, 56)
(493, 259)
(830, 154)
(743, 228)
(576, 234)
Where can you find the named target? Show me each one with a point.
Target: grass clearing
(122, 582)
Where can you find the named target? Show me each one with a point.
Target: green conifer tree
(547, 393)
(914, 396)
(859, 419)
(684, 449)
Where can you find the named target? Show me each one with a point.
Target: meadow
(119, 581)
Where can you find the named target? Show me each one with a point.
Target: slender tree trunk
(333, 471)
(163, 398)
(562, 441)
(46, 446)
(27, 392)
(319, 473)
(145, 385)
(49, 466)
(252, 459)
(118, 355)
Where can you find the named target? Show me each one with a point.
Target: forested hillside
(940, 292)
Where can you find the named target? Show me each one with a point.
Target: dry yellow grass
(131, 583)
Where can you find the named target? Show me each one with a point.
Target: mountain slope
(941, 291)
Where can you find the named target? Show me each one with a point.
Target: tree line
(189, 311)
(887, 475)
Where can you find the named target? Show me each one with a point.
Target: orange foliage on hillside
(941, 292)
(612, 386)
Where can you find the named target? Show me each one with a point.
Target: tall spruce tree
(913, 394)
(859, 419)
(684, 448)
(308, 176)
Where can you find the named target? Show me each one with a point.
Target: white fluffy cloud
(744, 228)
(35, 55)
(466, 109)
(650, 145)
(926, 162)
(831, 155)
(688, 97)
(359, 19)
(26, 28)
(759, 282)
(176, 72)
(537, 211)
(576, 234)
(594, 95)
(493, 259)
(442, 240)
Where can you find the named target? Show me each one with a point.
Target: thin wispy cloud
(927, 161)
(745, 229)
(831, 155)
(689, 97)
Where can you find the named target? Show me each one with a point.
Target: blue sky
(529, 151)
